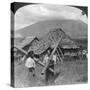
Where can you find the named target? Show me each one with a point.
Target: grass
(70, 72)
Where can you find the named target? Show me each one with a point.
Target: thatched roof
(50, 40)
(23, 42)
(33, 42)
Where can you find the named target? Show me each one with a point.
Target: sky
(31, 14)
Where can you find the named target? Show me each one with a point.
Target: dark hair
(49, 50)
(30, 54)
(36, 56)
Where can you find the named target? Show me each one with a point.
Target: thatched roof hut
(33, 42)
(50, 40)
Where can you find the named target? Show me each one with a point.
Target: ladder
(58, 42)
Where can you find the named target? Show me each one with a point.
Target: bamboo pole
(60, 59)
(24, 57)
(44, 69)
(61, 52)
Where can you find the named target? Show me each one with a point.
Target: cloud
(31, 14)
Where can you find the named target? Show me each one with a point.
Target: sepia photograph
(49, 44)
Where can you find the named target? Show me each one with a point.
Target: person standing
(52, 66)
(45, 61)
(30, 63)
(49, 75)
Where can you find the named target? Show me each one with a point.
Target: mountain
(22, 41)
(74, 28)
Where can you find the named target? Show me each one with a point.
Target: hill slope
(75, 29)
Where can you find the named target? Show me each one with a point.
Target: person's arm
(54, 59)
(57, 59)
(44, 61)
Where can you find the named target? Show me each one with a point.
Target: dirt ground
(71, 72)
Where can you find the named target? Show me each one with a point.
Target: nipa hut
(50, 40)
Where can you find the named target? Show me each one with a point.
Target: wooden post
(59, 56)
(44, 69)
(60, 52)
